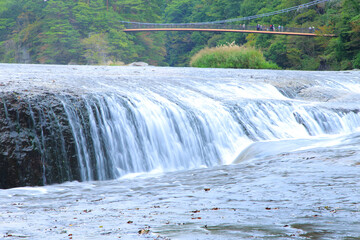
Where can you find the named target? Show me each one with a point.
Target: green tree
(122, 47)
(96, 49)
(277, 53)
(60, 40)
(89, 31)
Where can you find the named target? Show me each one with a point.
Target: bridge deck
(225, 30)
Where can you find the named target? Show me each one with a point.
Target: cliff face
(36, 144)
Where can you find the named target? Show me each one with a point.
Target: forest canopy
(91, 32)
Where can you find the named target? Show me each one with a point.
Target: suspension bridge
(225, 28)
(229, 26)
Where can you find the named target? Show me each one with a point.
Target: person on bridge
(258, 27)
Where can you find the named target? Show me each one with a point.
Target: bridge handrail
(129, 25)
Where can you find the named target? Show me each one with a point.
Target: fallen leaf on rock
(97, 200)
(144, 231)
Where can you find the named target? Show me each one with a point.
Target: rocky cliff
(36, 144)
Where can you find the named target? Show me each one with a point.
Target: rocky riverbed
(178, 153)
(37, 141)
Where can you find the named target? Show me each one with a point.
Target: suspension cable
(301, 6)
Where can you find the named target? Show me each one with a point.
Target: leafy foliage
(321, 53)
(90, 32)
(231, 56)
(80, 31)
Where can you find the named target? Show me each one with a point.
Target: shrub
(231, 56)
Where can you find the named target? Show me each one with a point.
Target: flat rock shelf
(97, 152)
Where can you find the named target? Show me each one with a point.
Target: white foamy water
(196, 154)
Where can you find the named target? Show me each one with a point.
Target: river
(186, 153)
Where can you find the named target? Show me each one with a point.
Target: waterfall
(187, 128)
(121, 121)
(117, 135)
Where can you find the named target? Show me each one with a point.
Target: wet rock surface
(296, 136)
(37, 143)
(305, 194)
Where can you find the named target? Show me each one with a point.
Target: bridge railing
(218, 26)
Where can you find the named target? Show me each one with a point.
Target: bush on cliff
(231, 56)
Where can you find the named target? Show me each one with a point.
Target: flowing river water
(185, 153)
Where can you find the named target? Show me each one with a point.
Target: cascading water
(116, 135)
(262, 154)
(184, 126)
(130, 121)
